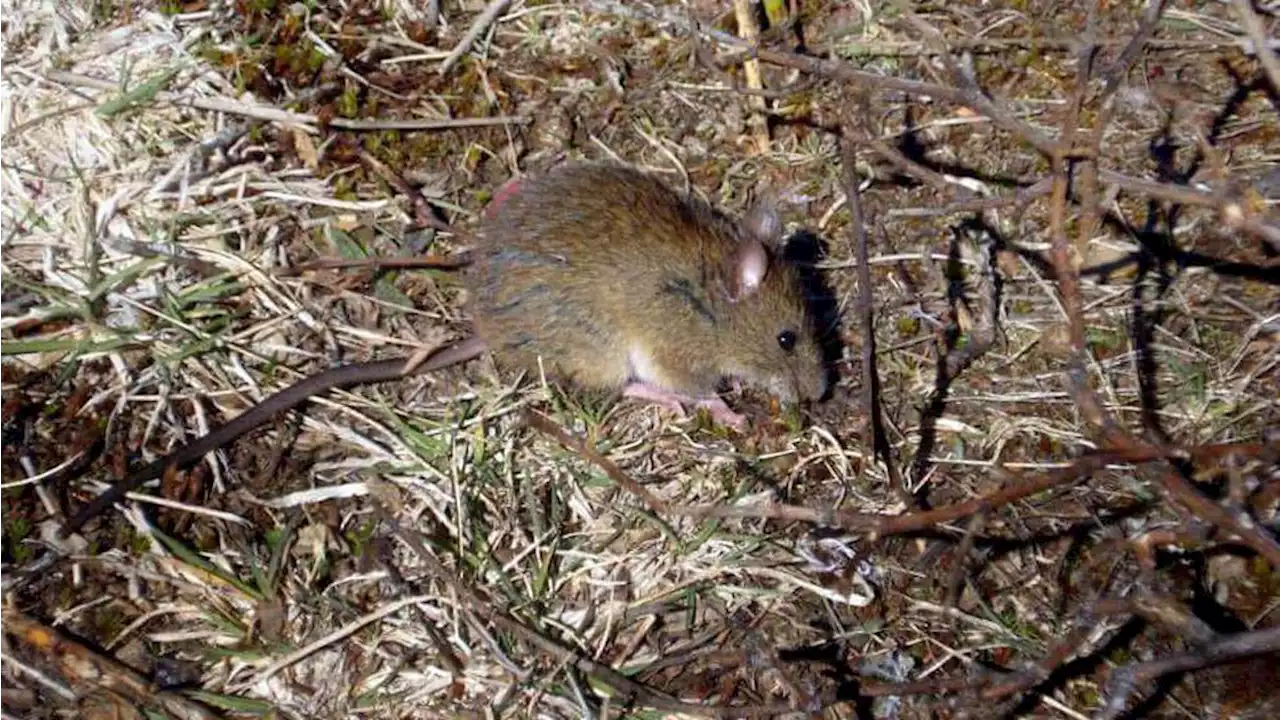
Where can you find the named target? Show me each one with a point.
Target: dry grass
(141, 306)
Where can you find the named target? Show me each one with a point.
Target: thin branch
(440, 262)
(1119, 68)
(744, 13)
(974, 96)
(870, 373)
(1232, 213)
(422, 210)
(880, 525)
(471, 601)
(1261, 44)
(478, 28)
(87, 668)
(1182, 492)
(1067, 275)
(548, 427)
(1221, 651)
(306, 121)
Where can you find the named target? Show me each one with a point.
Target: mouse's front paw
(723, 414)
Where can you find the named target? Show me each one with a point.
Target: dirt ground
(1071, 507)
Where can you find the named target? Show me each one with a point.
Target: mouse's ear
(748, 266)
(762, 220)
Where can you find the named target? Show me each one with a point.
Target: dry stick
(1115, 74)
(1088, 166)
(422, 211)
(306, 121)
(955, 583)
(446, 262)
(1086, 400)
(383, 557)
(481, 24)
(1021, 197)
(1232, 213)
(668, 18)
(880, 525)
(1261, 45)
(87, 667)
(1161, 611)
(1180, 491)
(1225, 649)
(975, 97)
(971, 97)
(989, 686)
(870, 374)
(431, 17)
(744, 12)
(473, 602)
(1167, 613)
(958, 358)
(424, 216)
(548, 426)
(1068, 279)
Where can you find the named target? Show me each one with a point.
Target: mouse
(600, 275)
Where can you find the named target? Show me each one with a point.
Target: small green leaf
(145, 92)
(188, 556)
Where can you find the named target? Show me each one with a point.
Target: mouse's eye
(787, 340)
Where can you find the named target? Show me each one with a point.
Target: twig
(305, 121)
(87, 667)
(955, 583)
(1234, 214)
(1223, 650)
(1020, 197)
(473, 602)
(444, 262)
(1261, 45)
(481, 24)
(973, 95)
(1115, 74)
(1068, 278)
(870, 373)
(744, 12)
(1167, 613)
(1182, 492)
(881, 525)
(548, 427)
(383, 556)
(422, 211)
(424, 216)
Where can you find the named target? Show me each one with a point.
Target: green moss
(348, 104)
(17, 529)
(108, 622)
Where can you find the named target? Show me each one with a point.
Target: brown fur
(591, 260)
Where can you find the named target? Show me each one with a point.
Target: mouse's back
(600, 273)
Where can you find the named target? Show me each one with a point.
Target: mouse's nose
(814, 385)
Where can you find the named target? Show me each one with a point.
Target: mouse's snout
(813, 384)
(810, 380)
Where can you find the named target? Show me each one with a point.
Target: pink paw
(506, 191)
(723, 414)
(719, 411)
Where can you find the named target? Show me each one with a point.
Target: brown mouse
(615, 282)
